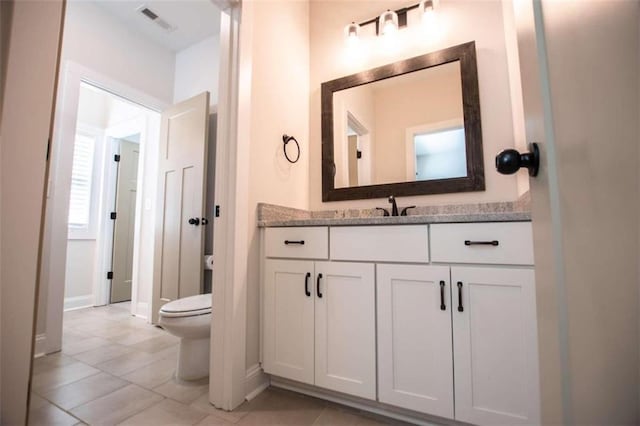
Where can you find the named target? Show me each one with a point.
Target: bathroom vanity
(416, 318)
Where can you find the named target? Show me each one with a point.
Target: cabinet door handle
(481, 243)
(306, 284)
(443, 307)
(318, 286)
(460, 307)
(287, 242)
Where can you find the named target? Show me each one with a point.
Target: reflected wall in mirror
(408, 128)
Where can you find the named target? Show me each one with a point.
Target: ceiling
(192, 20)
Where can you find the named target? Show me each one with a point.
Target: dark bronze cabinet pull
(481, 243)
(318, 286)
(287, 242)
(460, 307)
(306, 284)
(443, 307)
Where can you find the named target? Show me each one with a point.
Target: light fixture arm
(402, 16)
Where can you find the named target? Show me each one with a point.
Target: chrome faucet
(394, 208)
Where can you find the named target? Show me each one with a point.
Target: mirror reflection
(401, 129)
(411, 127)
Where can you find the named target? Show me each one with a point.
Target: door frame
(55, 233)
(227, 364)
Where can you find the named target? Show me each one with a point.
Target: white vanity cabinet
(437, 319)
(319, 317)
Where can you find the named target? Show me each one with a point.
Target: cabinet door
(415, 360)
(495, 346)
(288, 319)
(345, 328)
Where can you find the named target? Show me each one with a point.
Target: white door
(415, 359)
(495, 345)
(179, 242)
(288, 319)
(579, 72)
(126, 188)
(345, 328)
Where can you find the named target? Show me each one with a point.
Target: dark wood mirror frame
(474, 181)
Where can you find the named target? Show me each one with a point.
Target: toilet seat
(187, 307)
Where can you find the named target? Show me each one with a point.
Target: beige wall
(279, 104)
(26, 127)
(460, 22)
(397, 109)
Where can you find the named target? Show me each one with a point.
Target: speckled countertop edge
(270, 215)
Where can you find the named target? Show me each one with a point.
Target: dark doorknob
(509, 161)
(194, 221)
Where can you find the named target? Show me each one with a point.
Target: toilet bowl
(189, 319)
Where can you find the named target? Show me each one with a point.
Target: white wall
(100, 42)
(279, 104)
(79, 273)
(459, 22)
(197, 70)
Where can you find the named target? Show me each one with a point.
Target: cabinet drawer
(297, 243)
(395, 243)
(509, 243)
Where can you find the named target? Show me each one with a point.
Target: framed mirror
(408, 128)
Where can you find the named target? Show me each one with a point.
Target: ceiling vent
(151, 15)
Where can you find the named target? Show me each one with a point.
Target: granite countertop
(270, 215)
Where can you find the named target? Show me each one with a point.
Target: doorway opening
(104, 221)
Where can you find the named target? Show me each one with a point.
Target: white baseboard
(142, 310)
(255, 382)
(40, 346)
(79, 302)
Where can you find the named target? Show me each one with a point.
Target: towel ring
(286, 139)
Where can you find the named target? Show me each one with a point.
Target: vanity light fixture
(388, 23)
(427, 7)
(391, 20)
(352, 32)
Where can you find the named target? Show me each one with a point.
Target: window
(82, 197)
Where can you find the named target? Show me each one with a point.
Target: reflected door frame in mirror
(473, 181)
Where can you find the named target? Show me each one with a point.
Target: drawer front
(297, 242)
(508, 243)
(395, 243)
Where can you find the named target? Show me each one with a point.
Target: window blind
(81, 181)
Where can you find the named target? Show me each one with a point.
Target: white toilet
(189, 319)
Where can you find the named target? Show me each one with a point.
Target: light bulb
(388, 22)
(427, 7)
(351, 34)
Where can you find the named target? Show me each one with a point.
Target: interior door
(123, 231)
(577, 79)
(179, 242)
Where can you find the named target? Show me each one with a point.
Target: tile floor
(117, 369)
